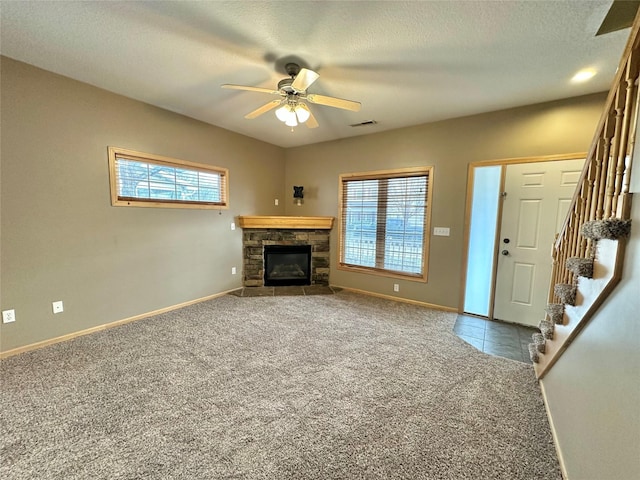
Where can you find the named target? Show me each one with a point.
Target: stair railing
(602, 194)
(603, 189)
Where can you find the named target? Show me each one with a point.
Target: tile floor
(495, 338)
(284, 291)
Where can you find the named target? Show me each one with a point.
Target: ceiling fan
(292, 110)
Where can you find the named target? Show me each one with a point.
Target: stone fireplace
(303, 233)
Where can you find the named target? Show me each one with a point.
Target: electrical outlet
(233, 226)
(441, 231)
(276, 202)
(58, 307)
(233, 270)
(396, 287)
(8, 316)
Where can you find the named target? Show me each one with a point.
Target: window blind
(138, 179)
(383, 221)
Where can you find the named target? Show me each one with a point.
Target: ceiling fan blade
(263, 109)
(251, 89)
(334, 102)
(311, 121)
(304, 79)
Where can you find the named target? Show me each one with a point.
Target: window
(146, 180)
(384, 222)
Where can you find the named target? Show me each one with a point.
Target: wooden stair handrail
(602, 193)
(632, 46)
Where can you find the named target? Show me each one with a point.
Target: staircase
(589, 251)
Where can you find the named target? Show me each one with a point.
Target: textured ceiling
(407, 62)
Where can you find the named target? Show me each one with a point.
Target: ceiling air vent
(364, 124)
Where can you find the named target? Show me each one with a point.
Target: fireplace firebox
(287, 265)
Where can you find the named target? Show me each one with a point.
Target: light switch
(441, 231)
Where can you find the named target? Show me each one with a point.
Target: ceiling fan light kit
(303, 113)
(291, 110)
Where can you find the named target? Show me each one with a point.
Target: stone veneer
(254, 240)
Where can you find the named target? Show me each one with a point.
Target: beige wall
(565, 126)
(61, 238)
(593, 392)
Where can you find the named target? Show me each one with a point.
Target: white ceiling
(407, 62)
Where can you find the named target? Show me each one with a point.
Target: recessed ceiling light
(583, 75)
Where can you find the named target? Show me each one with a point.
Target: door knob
(505, 252)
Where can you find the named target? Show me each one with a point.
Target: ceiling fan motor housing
(284, 85)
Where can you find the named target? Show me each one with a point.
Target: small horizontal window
(146, 180)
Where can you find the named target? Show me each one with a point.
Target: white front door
(534, 207)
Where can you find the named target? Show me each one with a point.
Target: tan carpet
(337, 386)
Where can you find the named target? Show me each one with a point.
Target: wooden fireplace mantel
(285, 222)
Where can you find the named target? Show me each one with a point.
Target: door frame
(467, 215)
